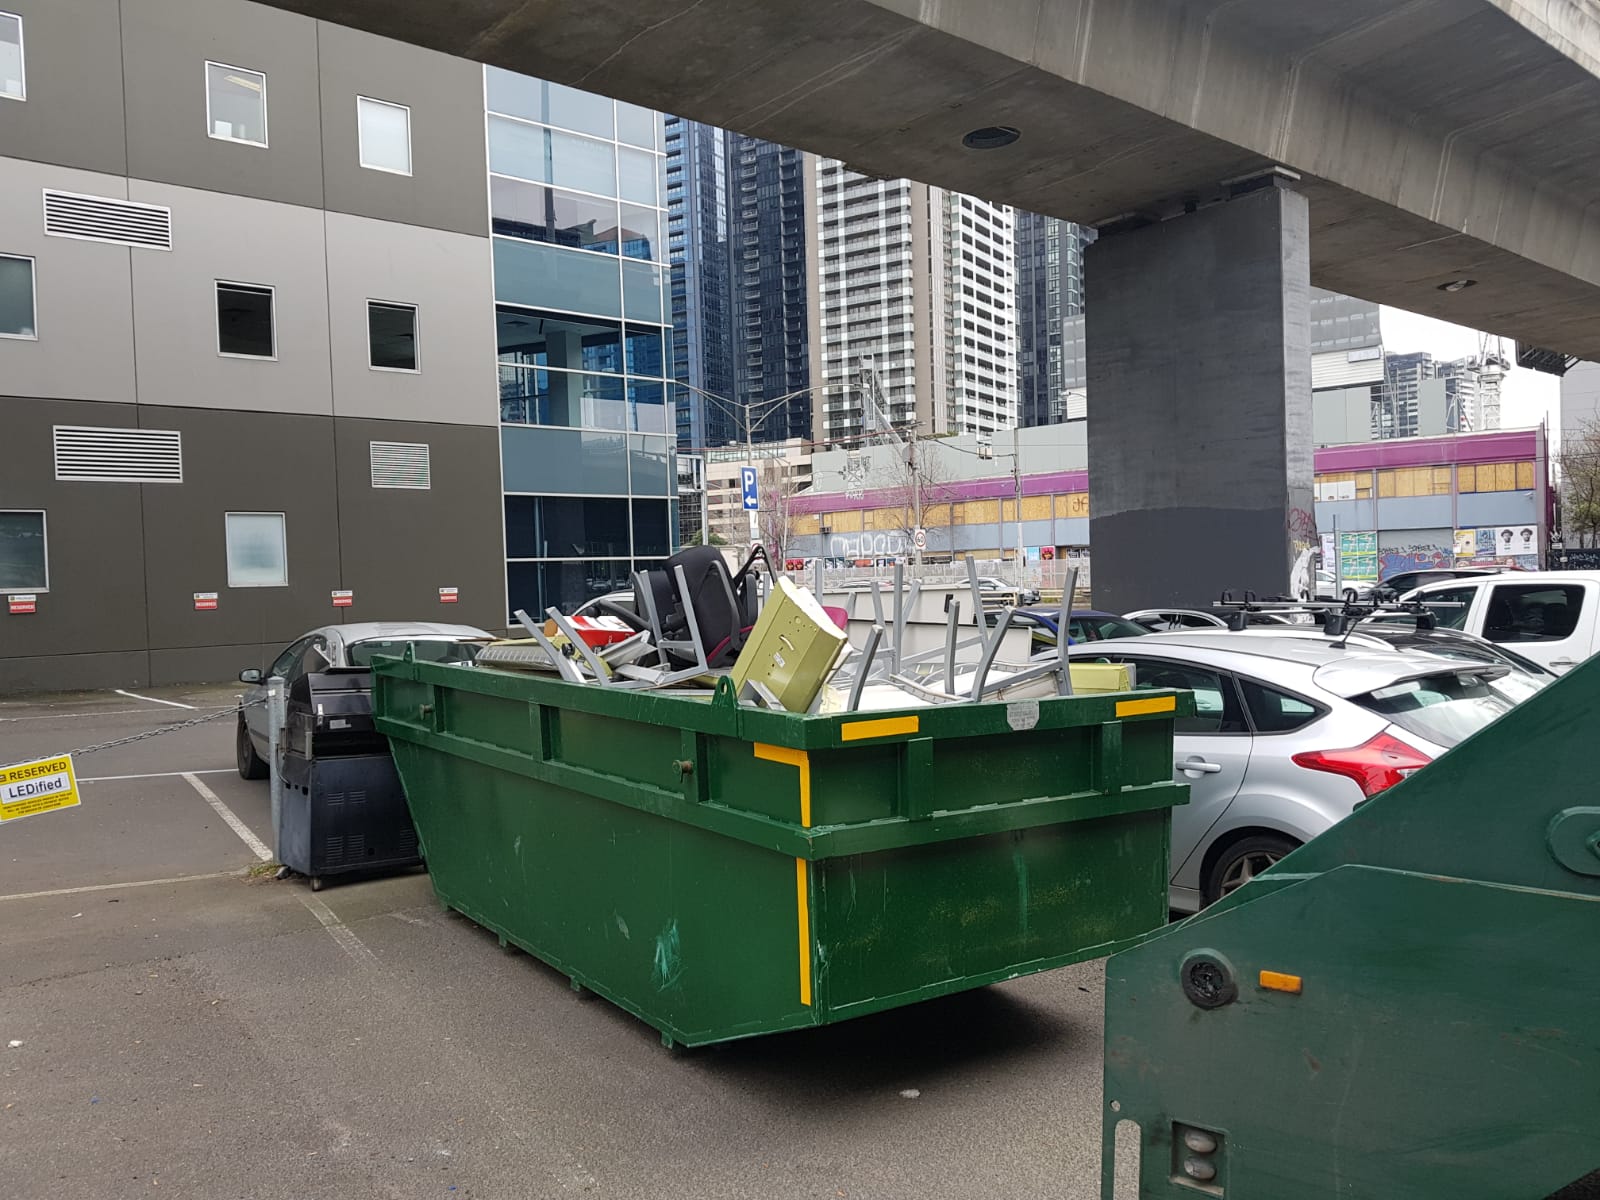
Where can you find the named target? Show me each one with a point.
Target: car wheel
(1243, 861)
(244, 753)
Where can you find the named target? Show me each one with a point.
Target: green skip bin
(721, 870)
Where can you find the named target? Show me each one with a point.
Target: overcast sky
(1526, 397)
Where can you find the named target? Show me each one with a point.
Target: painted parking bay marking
(28, 789)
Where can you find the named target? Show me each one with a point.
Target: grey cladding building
(248, 343)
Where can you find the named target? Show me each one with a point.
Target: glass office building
(583, 330)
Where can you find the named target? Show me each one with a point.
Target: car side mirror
(250, 676)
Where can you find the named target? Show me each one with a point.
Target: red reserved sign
(205, 601)
(343, 599)
(449, 595)
(21, 604)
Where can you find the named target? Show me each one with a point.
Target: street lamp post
(748, 414)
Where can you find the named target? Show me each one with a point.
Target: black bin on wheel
(343, 810)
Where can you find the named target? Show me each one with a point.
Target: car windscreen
(1445, 708)
(1100, 628)
(437, 650)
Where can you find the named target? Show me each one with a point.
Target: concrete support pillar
(1199, 382)
(564, 348)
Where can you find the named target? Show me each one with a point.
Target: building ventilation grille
(86, 455)
(103, 219)
(401, 465)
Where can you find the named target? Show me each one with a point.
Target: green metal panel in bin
(722, 871)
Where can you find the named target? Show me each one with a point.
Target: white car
(352, 645)
(1290, 733)
(1172, 620)
(1552, 617)
(1347, 589)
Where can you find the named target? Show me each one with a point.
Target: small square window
(244, 321)
(24, 561)
(384, 135)
(258, 553)
(13, 75)
(392, 336)
(236, 104)
(18, 302)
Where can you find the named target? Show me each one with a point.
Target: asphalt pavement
(175, 1021)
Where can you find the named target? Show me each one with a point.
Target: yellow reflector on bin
(1140, 708)
(1276, 981)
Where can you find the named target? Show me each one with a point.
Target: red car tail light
(1376, 765)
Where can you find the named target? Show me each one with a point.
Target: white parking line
(227, 814)
(111, 887)
(338, 930)
(152, 699)
(74, 716)
(155, 775)
(326, 917)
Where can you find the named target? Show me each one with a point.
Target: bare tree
(776, 517)
(1579, 462)
(920, 474)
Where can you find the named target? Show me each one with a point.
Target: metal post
(750, 457)
(277, 724)
(705, 499)
(1338, 558)
(1016, 479)
(916, 504)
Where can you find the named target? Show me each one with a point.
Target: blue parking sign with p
(747, 482)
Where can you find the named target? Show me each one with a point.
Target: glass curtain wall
(576, 213)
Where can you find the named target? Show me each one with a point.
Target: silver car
(1290, 734)
(1401, 635)
(1173, 620)
(352, 645)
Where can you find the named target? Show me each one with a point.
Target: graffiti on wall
(1415, 557)
(867, 545)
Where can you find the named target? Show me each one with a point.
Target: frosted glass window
(236, 104)
(13, 79)
(385, 135)
(258, 555)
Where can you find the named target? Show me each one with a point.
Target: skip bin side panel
(1442, 1043)
(695, 934)
(920, 921)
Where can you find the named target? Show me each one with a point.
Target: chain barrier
(147, 734)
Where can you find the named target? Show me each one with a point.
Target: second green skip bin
(722, 871)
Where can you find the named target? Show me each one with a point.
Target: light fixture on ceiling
(990, 137)
(1458, 285)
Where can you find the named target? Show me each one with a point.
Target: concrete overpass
(1438, 155)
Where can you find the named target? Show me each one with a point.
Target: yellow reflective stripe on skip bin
(802, 892)
(854, 731)
(803, 904)
(795, 758)
(1139, 708)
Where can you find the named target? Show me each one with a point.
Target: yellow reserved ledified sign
(28, 789)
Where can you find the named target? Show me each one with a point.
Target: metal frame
(22, 58)
(361, 140)
(44, 534)
(210, 127)
(272, 315)
(416, 333)
(283, 524)
(33, 283)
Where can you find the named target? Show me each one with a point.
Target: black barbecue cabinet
(343, 810)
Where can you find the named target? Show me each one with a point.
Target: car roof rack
(1339, 618)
